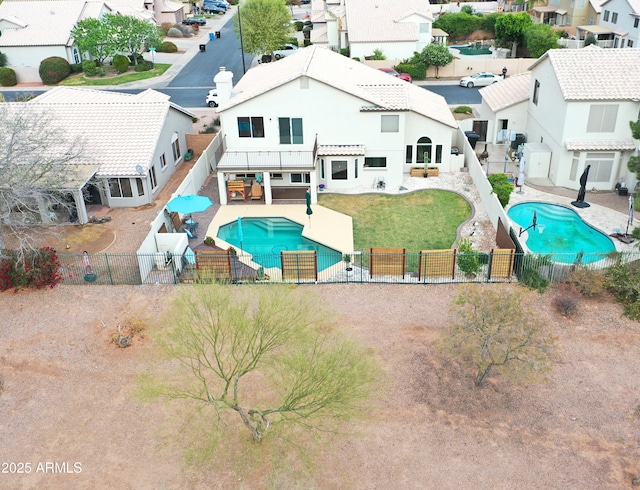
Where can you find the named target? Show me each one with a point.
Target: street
(453, 93)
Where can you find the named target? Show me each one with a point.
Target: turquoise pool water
(561, 232)
(265, 238)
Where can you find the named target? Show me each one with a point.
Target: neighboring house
(156, 11)
(567, 12)
(318, 118)
(31, 31)
(398, 28)
(134, 143)
(619, 24)
(580, 104)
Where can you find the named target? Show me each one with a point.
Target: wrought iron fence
(440, 267)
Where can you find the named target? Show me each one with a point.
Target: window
(163, 161)
(175, 145)
(601, 166)
(536, 92)
(409, 154)
(76, 56)
(574, 165)
(152, 176)
(390, 124)
(245, 176)
(614, 18)
(300, 179)
(605, 16)
(120, 188)
(339, 169)
(424, 150)
(438, 153)
(140, 185)
(290, 130)
(629, 43)
(250, 127)
(602, 118)
(322, 169)
(375, 162)
(636, 22)
(424, 27)
(355, 169)
(276, 177)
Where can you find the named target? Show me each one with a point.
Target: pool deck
(330, 228)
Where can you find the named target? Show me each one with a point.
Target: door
(480, 128)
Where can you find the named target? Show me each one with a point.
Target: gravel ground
(68, 397)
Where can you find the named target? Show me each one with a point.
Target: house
(33, 31)
(578, 112)
(567, 12)
(398, 28)
(619, 24)
(134, 143)
(156, 11)
(317, 119)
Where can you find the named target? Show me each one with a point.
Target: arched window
(424, 150)
(76, 56)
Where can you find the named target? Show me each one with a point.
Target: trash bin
(218, 34)
(203, 48)
(211, 36)
(473, 138)
(521, 139)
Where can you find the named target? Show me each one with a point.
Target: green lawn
(422, 220)
(132, 76)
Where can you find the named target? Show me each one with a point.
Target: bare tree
(34, 170)
(496, 329)
(269, 358)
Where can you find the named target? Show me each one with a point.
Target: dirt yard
(68, 400)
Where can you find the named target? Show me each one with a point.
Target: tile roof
(47, 23)
(595, 145)
(121, 130)
(593, 73)
(381, 20)
(373, 87)
(341, 150)
(510, 91)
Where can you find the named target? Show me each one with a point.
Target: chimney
(224, 84)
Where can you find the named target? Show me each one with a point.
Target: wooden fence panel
(501, 262)
(214, 265)
(388, 262)
(437, 263)
(299, 265)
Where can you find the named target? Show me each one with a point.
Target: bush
(144, 66)
(121, 63)
(25, 97)
(39, 270)
(297, 26)
(76, 68)
(566, 301)
(590, 283)
(174, 32)
(164, 28)
(532, 278)
(89, 67)
(589, 40)
(135, 59)
(8, 77)
(345, 52)
(3, 59)
(53, 70)
(468, 259)
(623, 280)
(167, 47)
(416, 70)
(464, 109)
(502, 187)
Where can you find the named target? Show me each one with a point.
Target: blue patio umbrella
(309, 210)
(189, 204)
(240, 232)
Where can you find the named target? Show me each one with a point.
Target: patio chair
(256, 191)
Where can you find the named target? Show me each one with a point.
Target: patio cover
(257, 161)
(591, 145)
(595, 29)
(340, 150)
(79, 175)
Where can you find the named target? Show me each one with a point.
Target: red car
(402, 76)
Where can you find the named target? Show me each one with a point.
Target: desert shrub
(468, 259)
(8, 77)
(53, 70)
(502, 187)
(464, 109)
(164, 28)
(566, 300)
(38, 269)
(623, 280)
(121, 63)
(167, 47)
(416, 70)
(144, 66)
(3, 59)
(174, 32)
(531, 278)
(590, 283)
(89, 67)
(378, 54)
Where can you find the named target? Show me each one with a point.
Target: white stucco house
(133, 143)
(580, 103)
(622, 17)
(398, 28)
(317, 119)
(33, 31)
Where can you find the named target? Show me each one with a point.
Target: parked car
(480, 80)
(402, 76)
(212, 9)
(195, 21)
(220, 5)
(287, 50)
(212, 98)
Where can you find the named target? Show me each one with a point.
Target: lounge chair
(256, 191)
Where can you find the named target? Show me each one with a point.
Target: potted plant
(427, 161)
(210, 241)
(232, 251)
(347, 261)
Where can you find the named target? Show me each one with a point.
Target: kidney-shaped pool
(561, 232)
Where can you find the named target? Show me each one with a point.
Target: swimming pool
(265, 238)
(561, 232)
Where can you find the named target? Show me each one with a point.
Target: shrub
(468, 259)
(623, 280)
(25, 97)
(416, 70)
(377, 55)
(464, 109)
(8, 77)
(3, 59)
(53, 70)
(173, 32)
(167, 47)
(566, 301)
(345, 52)
(589, 283)
(121, 63)
(502, 187)
(164, 28)
(532, 278)
(135, 59)
(76, 68)
(40, 269)
(144, 66)
(297, 26)
(589, 40)
(89, 67)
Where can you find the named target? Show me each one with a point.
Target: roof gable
(508, 92)
(377, 90)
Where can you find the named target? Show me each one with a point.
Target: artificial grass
(421, 220)
(133, 76)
